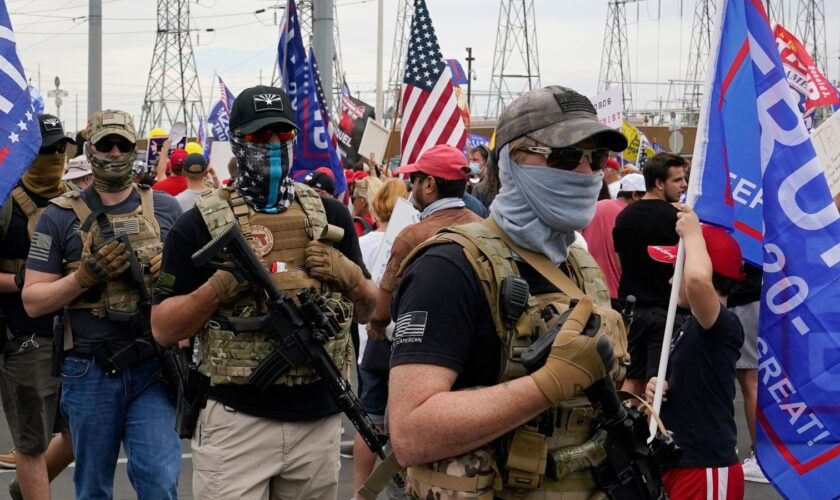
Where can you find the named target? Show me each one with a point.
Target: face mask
(540, 208)
(43, 177)
(475, 168)
(111, 174)
(263, 177)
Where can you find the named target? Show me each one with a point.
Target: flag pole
(693, 190)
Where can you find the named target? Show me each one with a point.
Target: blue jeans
(131, 408)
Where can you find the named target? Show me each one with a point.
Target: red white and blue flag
(219, 118)
(430, 113)
(20, 134)
(756, 172)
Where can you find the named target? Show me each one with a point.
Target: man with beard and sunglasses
(111, 391)
(282, 442)
(474, 296)
(30, 392)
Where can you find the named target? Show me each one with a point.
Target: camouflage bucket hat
(557, 117)
(111, 121)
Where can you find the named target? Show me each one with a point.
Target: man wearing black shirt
(649, 221)
(700, 381)
(282, 442)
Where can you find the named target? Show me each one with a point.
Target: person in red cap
(612, 178)
(176, 183)
(700, 381)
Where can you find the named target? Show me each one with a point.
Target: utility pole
(701, 40)
(58, 94)
(94, 56)
(322, 44)
(516, 61)
(405, 11)
(380, 31)
(470, 59)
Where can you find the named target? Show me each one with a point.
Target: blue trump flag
(759, 175)
(20, 134)
(313, 146)
(219, 115)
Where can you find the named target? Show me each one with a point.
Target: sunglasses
(107, 145)
(57, 148)
(263, 135)
(569, 158)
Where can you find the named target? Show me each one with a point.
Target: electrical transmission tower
(776, 12)
(698, 57)
(516, 62)
(173, 93)
(810, 29)
(405, 11)
(615, 58)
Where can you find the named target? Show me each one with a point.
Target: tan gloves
(328, 265)
(106, 263)
(154, 265)
(225, 286)
(574, 363)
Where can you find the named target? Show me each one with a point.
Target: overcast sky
(52, 40)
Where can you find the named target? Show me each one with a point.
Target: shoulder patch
(165, 284)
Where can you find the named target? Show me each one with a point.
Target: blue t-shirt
(56, 240)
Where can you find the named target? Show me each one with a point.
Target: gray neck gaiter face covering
(540, 208)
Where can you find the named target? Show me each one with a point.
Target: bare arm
(182, 316)
(163, 161)
(44, 293)
(429, 422)
(697, 271)
(364, 297)
(7, 283)
(381, 317)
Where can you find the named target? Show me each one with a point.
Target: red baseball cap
(350, 175)
(176, 159)
(723, 250)
(612, 163)
(443, 161)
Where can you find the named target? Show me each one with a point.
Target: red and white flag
(802, 73)
(430, 109)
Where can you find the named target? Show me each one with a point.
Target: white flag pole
(693, 191)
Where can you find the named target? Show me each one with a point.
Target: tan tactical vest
(570, 449)
(32, 213)
(279, 241)
(144, 235)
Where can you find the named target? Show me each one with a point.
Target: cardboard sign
(374, 141)
(220, 155)
(404, 214)
(609, 105)
(826, 140)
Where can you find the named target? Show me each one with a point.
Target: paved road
(62, 487)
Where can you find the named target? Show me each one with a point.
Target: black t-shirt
(643, 223)
(450, 325)
(288, 404)
(749, 290)
(701, 388)
(16, 246)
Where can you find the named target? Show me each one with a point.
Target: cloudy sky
(52, 41)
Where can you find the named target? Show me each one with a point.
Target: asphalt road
(62, 486)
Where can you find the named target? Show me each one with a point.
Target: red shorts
(712, 483)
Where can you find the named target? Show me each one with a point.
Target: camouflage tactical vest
(279, 241)
(535, 464)
(143, 233)
(32, 213)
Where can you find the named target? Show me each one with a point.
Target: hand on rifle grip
(110, 261)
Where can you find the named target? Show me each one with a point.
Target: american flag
(430, 110)
(226, 94)
(20, 134)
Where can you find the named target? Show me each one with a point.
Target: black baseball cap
(320, 180)
(52, 131)
(195, 163)
(258, 107)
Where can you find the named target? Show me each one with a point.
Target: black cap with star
(259, 107)
(52, 131)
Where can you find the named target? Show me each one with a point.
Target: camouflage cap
(111, 121)
(557, 117)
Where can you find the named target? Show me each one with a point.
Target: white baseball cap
(632, 183)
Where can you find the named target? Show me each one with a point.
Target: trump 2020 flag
(220, 114)
(313, 146)
(20, 134)
(430, 113)
(759, 175)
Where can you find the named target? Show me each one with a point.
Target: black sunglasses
(59, 147)
(106, 145)
(569, 158)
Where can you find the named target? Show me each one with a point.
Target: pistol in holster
(192, 397)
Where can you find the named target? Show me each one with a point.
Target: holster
(113, 362)
(192, 397)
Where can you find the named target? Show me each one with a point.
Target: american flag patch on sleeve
(410, 327)
(39, 248)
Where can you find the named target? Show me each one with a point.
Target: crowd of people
(545, 234)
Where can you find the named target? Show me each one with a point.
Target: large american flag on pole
(430, 110)
(20, 134)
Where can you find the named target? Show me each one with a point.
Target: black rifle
(298, 334)
(632, 468)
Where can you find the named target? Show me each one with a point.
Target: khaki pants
(236, 455)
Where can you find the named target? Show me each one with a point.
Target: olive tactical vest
(32, 213)
(534, 464)
(143, 231)
(279, 241)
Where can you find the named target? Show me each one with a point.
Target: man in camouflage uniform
(453, 334)
(75, 265)
(282, 442)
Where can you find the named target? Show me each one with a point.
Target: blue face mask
(475, 168)
(263, 178)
